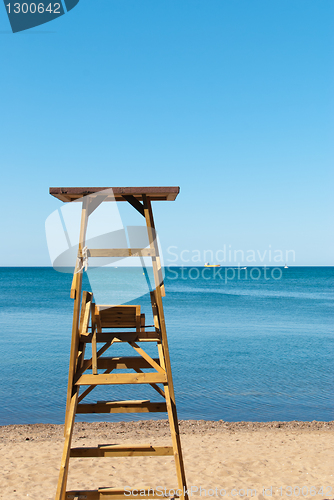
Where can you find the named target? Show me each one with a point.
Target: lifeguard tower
(103, 326)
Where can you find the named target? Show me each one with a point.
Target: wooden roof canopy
(68, 194)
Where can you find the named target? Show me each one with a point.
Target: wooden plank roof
(68, 194)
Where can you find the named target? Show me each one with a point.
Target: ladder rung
(121, 252)
(122, 451)
(124, 362)
(117, 494)
(122, 378)
(144, 406)
(122, 337)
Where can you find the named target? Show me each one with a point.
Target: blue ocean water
(241, 349)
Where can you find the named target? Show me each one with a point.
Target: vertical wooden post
(61, 487)
(94, 347)
(169, 387)
(73, 391)
(77, 281)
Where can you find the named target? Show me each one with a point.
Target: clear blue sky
(232, 100)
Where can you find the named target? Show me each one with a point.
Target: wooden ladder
(108, 325)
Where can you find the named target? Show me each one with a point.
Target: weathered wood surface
(135, 450)
(156, 193)
(122, 407)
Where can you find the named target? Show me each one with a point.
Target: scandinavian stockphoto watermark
(227, 263)
(236, 492)
(225, 274)
(107, 242)
(227, 255)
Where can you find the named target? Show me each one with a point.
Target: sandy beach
(288, 459)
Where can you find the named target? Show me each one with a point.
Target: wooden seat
(119, 317)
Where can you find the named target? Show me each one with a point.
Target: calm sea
(241, 349)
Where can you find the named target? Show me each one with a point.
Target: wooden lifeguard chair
(109, 324)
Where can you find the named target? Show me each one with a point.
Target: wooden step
(116, 363)
(122, 337)
(118, 494)
(121, 252)
(117, 450)
(139, 406)
(124, 362)
(122, 378)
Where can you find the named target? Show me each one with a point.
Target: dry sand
(235, 457)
